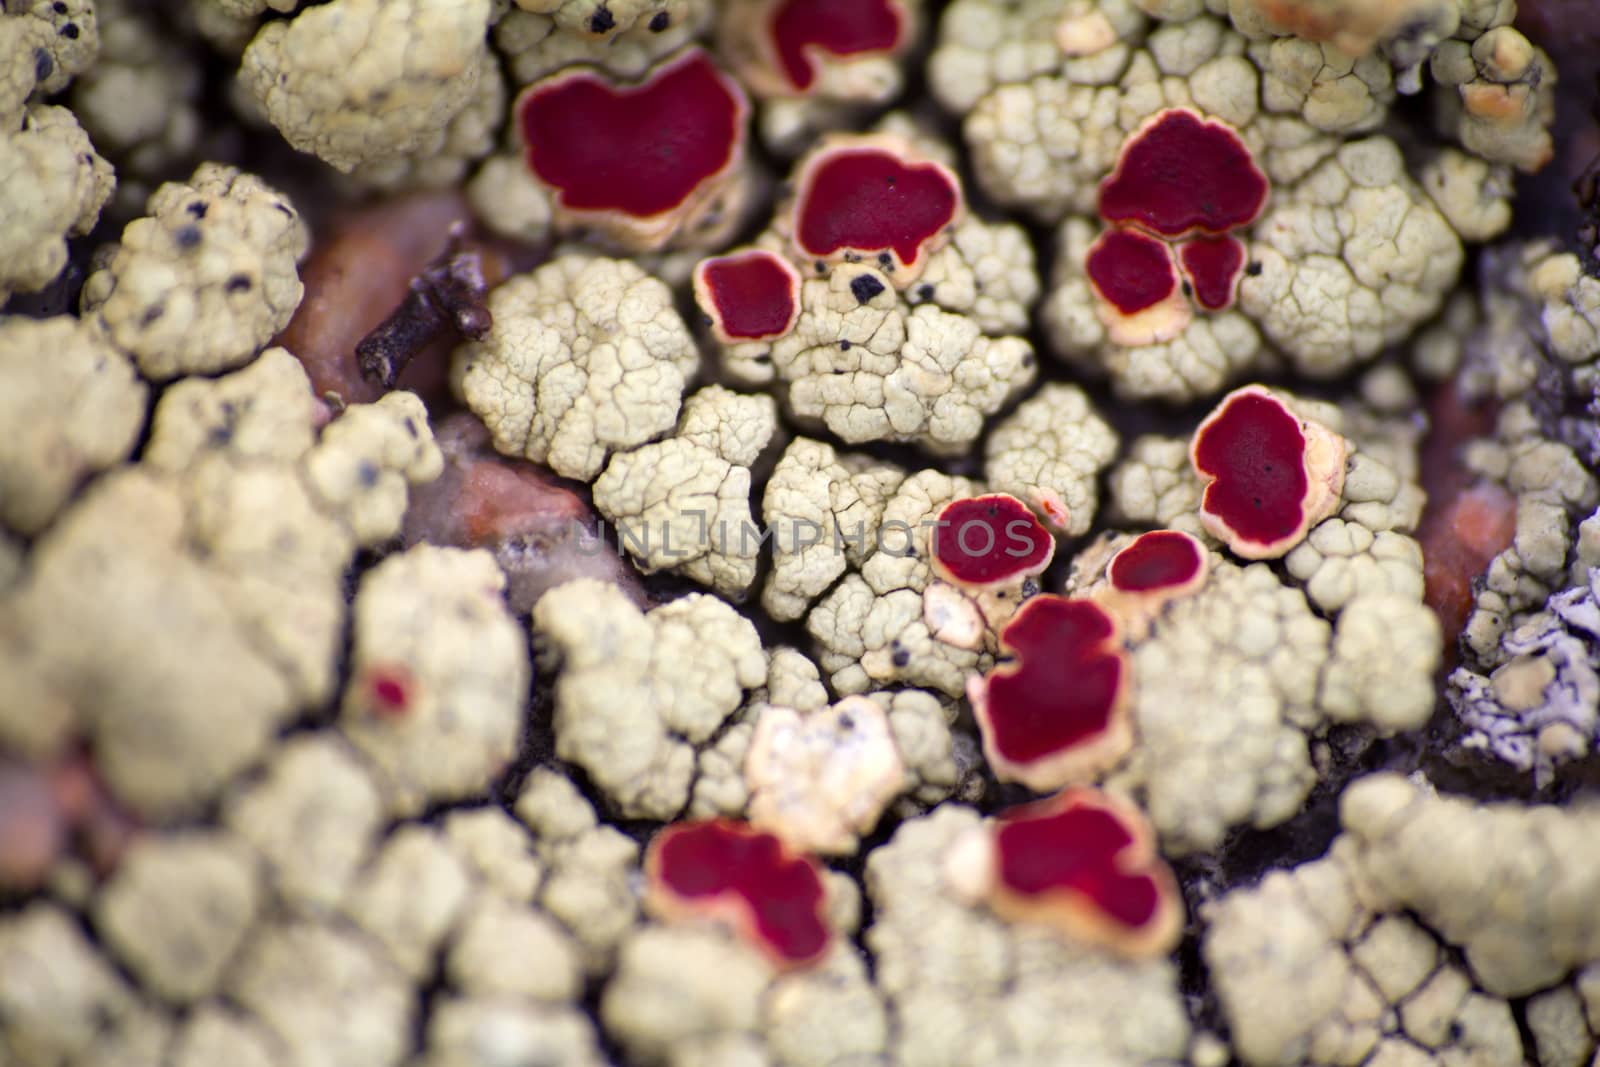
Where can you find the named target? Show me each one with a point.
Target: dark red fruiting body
(844, 28)
(1058, 712)
(644, 150)
(1269, 473)
(1131, 270)
(989, 540)
(749, 296)
(1083, 862)
(734, 871)
(1155, 561)
(1180, 174)
(867, 200)
(1213, 266)
(390, 689)
(1254, 450)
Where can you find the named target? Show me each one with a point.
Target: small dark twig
(447, 294)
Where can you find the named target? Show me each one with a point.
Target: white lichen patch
(586, 356)
(439, 675)
(821, 778)
(201, 281)
(639, 692)
(683, 504)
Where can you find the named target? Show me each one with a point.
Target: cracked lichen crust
(1513, 886)
(1050, 452)
(1333, 91)
(178, 908)
(434, 622)
(683, 504)
(55, 185)
(75, 407)
(1312, 967)
(539, 37)
(365, 81)
(1498, 97)
(1353, 257)
(1569, 303)
(1041, 141)
(311, 816)
(606, 19)
(1225, 692)
(983, 44)
(863, 365)
(590, 870)
(1554, 489)
(1212, 350)
(869, 628)
(637, 693)
(201, 282)
(444, 158)
(985, 273)
(214, 565)
(60, 999)
(1155, 484)
(696, 995)
(586, 356)
(719, 784)
(325, 992)
(1473, 194)
(964, 986)
(823, 510)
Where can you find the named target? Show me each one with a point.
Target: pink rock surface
(541, 531)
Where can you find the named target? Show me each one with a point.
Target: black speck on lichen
(865, 288)
(197, 208)
(660, 22)
(187, 236)
(43, 65)
(239, 283)
(1253, 269)
(602, 21)
(70, 31)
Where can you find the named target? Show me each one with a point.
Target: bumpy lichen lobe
(592, 141)
(838, 27)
